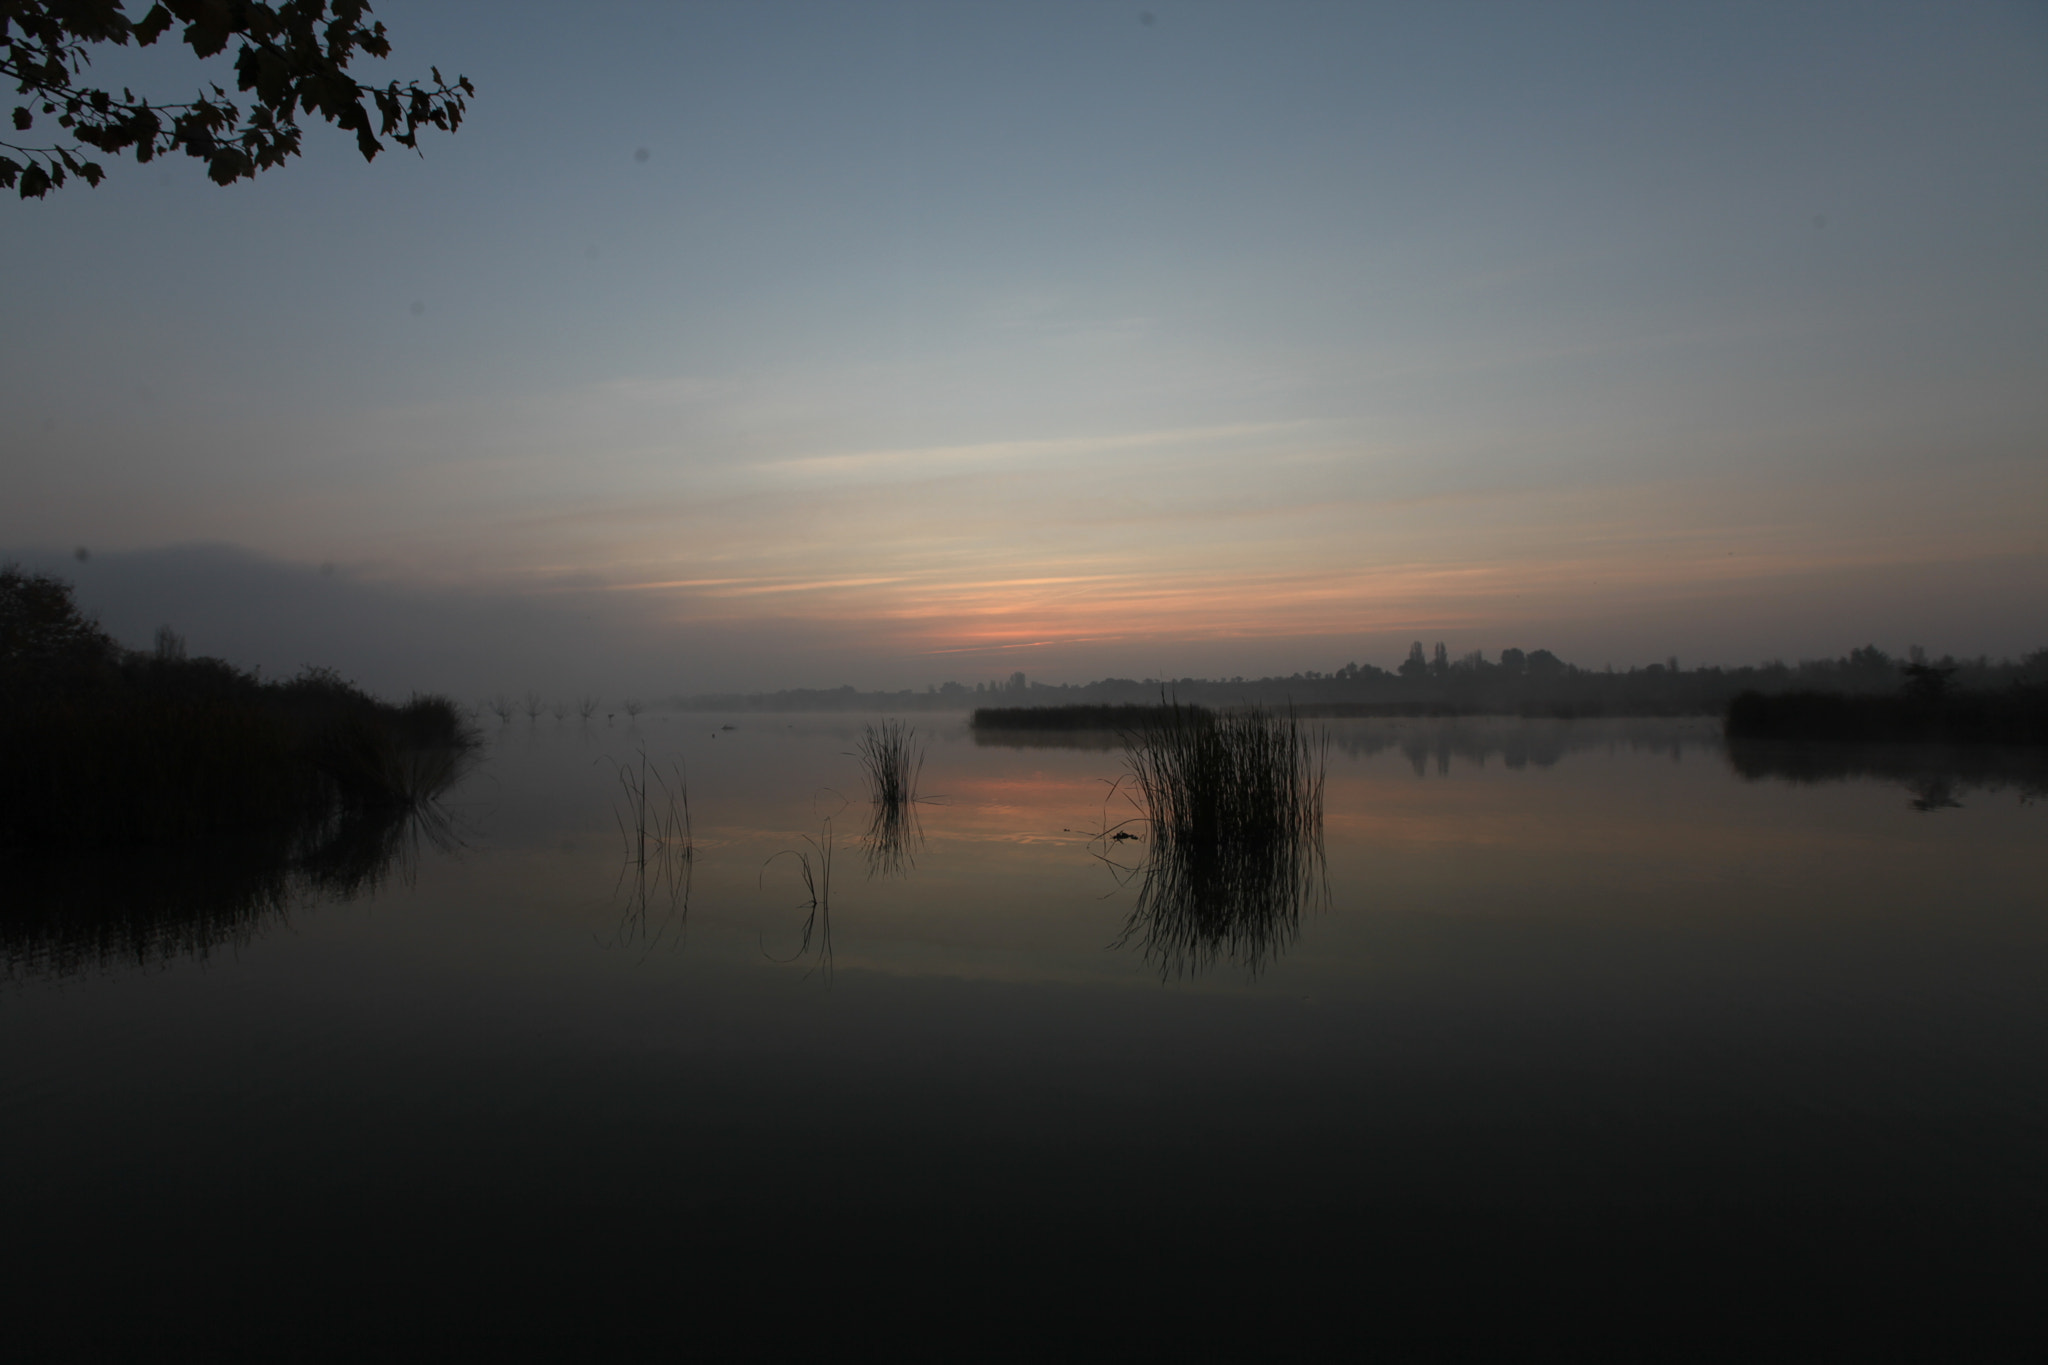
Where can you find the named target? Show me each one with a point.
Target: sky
(768, 345)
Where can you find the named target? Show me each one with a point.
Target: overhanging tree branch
(293, 60)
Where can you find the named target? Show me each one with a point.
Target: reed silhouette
(891, 761)
(659, 854)
(1127, 716)
(814, 870)
(1233, 807)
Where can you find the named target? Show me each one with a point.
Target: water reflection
(1233, 807)
(1239, 904)
(894, 836)
(658, 855)
(1430, 744)
(1935, 777)
(813, 866)
(151, 906)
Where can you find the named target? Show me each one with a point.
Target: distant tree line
(1517, 682)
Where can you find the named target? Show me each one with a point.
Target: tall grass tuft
(1233, 803)
(892, 760)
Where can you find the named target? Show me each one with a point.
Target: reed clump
(1233, 803)
(1208, 779)
(892, 760)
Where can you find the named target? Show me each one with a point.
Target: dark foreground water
(1588, 1033)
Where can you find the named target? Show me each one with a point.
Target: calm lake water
(1578, 1018)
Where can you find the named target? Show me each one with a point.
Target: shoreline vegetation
(1535, 684)
(152, 761)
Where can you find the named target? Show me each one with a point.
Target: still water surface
(1575, 1002)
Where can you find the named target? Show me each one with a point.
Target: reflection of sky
(967, 338)
(1632, 828)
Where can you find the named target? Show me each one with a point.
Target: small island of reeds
(1125, 717)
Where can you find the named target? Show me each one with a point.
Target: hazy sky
(760, 344)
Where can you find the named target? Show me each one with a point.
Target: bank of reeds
(1040, 718)
(1233, 802)
(2015, 715)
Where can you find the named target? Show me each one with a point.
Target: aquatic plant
(1238, 777)
(814, 870)
(654, 815)
(660, 852)
(891, 760)
(1233, 805)
(586, 707)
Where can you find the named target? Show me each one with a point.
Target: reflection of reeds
(1234, 805)
(660, 853)
(892, 760)
(816, 875)
(655, 816)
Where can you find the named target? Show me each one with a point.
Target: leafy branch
(293, 59)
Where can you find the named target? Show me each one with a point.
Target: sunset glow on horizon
(890, 344)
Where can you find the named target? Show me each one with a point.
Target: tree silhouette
(293, 59)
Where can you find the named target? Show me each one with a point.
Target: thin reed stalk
(815, 872)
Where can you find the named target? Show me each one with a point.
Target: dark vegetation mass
(1926, 708)
(106, 746)
(1129, 716)
(1533, 683)
(148, 761)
